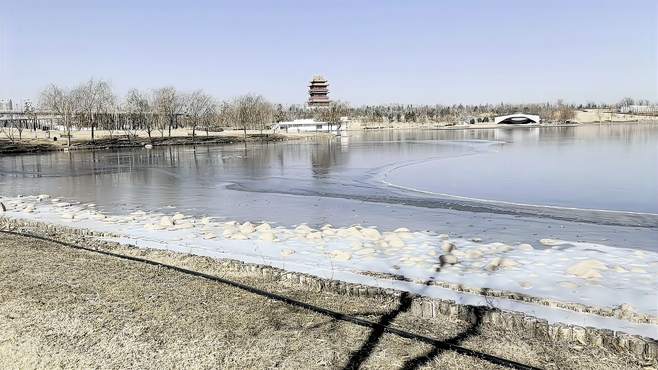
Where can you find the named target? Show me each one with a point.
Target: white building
(309, 125)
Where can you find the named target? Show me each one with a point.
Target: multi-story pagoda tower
(318, 91)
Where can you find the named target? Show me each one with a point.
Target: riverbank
(63, 307)
(616, 285)
(39, 145)
(36, 142)
(586, 120)
(562, 283)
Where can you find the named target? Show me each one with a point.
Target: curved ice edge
(550, 314)
(388, 171)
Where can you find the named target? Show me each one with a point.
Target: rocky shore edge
(621, 312)
(642, 349)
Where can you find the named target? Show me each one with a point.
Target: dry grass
(61, 307)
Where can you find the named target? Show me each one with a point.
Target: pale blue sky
(371, 51)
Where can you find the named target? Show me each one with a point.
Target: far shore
(105, 141)
(55, 140)
(488, 125)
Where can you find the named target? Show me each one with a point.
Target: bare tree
(208, 118)
(9, 131)
(169, 104)
(564, 112)
(93, 98)
(159, 115)
(333, 114)
(279, 114)
(224, 114)
(106, 102)
(251, 111)
(243, 111)
(626, 102)
(138, 107)
(117, 120)
(61, 103)
(20, 127)
(264, 115)
(198, 105)
(31, 113)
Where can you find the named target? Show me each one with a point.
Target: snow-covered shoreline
(618, 279)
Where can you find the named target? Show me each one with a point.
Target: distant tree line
(558, 111)
(459, 113)
(93, 105)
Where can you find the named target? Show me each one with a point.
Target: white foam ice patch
(577, 272)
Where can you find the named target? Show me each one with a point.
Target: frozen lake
(588, 183)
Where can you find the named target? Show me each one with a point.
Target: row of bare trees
(93, 105)
(248, 110)
(333, 114)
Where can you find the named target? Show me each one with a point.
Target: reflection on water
(607, 166)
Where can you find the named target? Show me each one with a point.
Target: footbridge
(517, 118)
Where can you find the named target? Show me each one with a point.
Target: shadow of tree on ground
(358, 357)
(361, 355)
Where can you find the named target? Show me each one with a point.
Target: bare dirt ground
(62, 307)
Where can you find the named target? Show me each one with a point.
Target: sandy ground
(61, 307)
(605, 116)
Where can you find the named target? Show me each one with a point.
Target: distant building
(6, 105)
(318, 92)
(310, 125)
